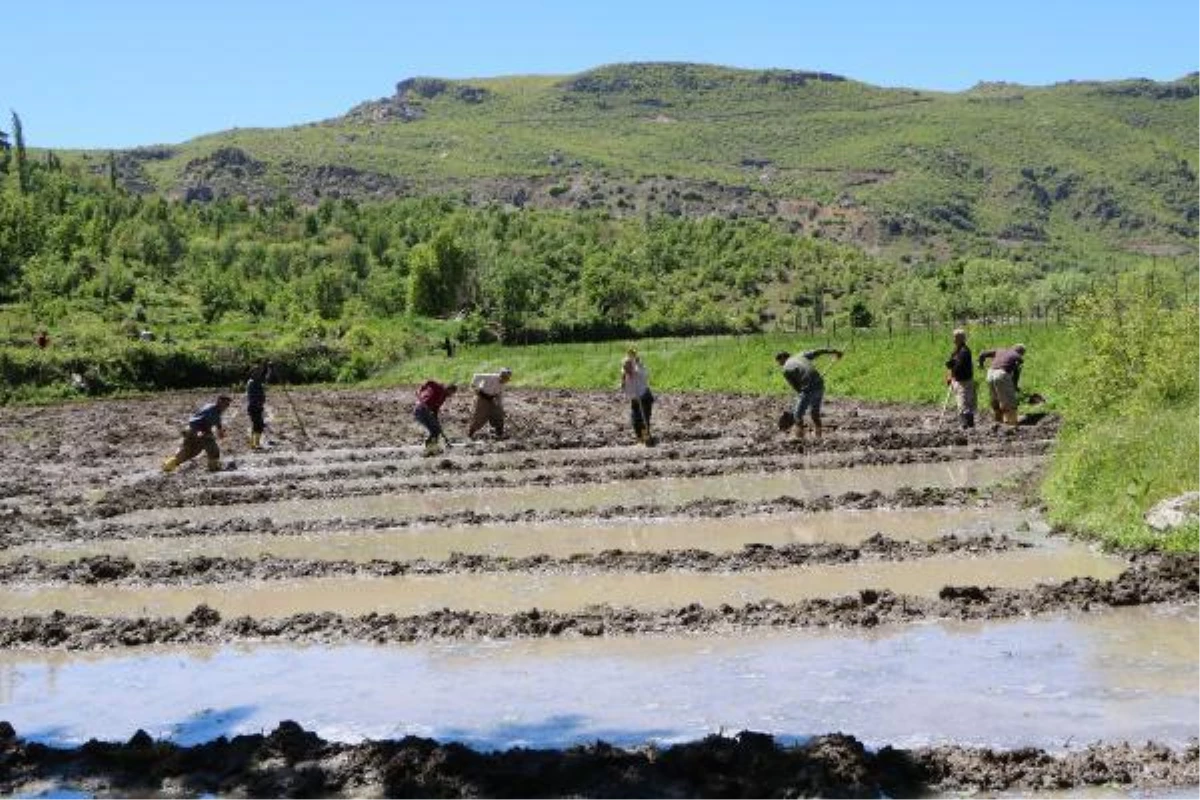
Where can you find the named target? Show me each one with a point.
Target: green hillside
(1091, 166)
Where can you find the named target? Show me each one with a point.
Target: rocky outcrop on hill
(407, 104)
(231, 171)
(1175, 90)
(620, 78)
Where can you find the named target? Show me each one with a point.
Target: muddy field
(726, 537)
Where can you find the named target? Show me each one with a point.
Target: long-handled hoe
(940, 419)
(299, 421)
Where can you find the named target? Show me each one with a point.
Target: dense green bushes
(1132, 415)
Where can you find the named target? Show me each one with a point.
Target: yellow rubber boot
(170, 465)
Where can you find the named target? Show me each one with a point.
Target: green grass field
(906, 367)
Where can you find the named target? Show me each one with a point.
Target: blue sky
(126, 73)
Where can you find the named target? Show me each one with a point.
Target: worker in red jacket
(431, 395)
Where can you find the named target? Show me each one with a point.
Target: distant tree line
(69, 238)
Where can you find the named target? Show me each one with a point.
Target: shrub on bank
(1131, 434)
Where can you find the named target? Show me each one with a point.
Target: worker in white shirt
(489, 401)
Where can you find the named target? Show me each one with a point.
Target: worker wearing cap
(198, 436)
(1002, 379)
(960, 375)
(489, 401)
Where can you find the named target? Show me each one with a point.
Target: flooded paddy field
(892, 583)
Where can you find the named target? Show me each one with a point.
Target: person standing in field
(960, 375)
(256, 402)
(801, 374)
(489, 401)
(1003, 377)
(635, 385)
(199, 436)
(431, 396)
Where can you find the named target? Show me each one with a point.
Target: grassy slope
(940, 149)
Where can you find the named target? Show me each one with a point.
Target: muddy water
(742, 486)
(1056, 683)
(510, 592)
(566, 538)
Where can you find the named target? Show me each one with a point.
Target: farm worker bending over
(256, 401)
(430, 397)
(198, 435)
(489, 401)
(808, 383)
(1002, 378)
(635, 385)
(960, 374)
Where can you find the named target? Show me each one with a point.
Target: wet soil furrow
(448, 474)
(292, 762)
(1152, 579)
(480, 457)
(203, 569)
(263, 524)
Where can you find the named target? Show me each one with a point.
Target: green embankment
(1131, 403)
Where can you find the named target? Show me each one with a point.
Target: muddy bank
(1151, 579)
(292, 762)
(65, 529)
(925, 497)
(214, 569)
(459, 474)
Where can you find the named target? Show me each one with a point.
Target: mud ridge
(293, 762)
(906, 497)
(1173, 578)
(452, 474)
(103, 569)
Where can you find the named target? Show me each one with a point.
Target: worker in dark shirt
(960, 375)
(801, 374)
(256, 402)
(199, 436)
(431, 396)
(1003, 377)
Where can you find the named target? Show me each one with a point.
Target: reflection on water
(508, 592)
(1129, 674)
(807, 483)
(563, 538)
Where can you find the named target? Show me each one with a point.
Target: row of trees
(68, 239)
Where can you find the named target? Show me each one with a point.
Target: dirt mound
(292, 762)
(103, 569)
(1156, 579)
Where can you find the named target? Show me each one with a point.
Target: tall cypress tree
(22, 166)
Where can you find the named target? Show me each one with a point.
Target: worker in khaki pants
(960, 376)
(489, 401)
(198, 436)
(1003, 378)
